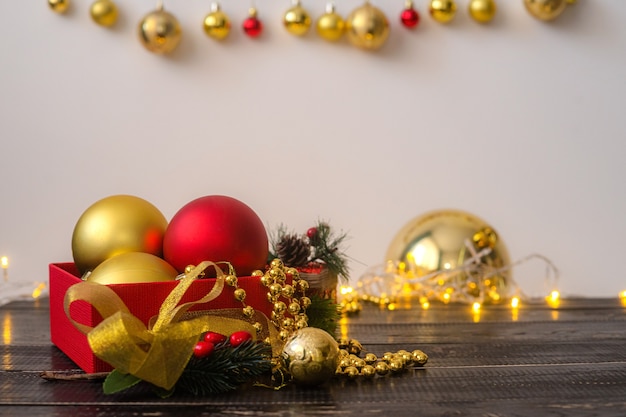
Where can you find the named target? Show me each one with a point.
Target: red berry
(214, 338)
(239, 337)
(253, 27)
(203, 349)
(312, 233)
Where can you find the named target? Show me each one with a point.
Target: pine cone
(293, 250)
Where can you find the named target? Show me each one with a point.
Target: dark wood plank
(540, 361)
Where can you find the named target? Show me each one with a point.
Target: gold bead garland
(353, 366)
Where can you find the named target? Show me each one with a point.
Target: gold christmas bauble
(330, 26)
(447, 239)
(482, 11)
(159, 32)
(132, 267)
(104, 12)
(367, 27)
(115, 225)
(545, 9)
(311, 356)
(217, 24)
(443, 11)
(297, 20)
(59, 6)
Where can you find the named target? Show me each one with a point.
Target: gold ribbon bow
(157, 355)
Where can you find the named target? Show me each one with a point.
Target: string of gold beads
(352, 365)
(288, 310)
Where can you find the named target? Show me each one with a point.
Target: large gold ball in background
(132, 267)
(59, 6)
(104, 12)
(297, 20)
(115, 225)
(545, 9)
(367, 27)
(160, 32)
(444, 240)
(217, 25)
(443, 11)
(311, 356)
(482, 11)
(330, 26)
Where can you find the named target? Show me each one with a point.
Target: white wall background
(519, 122)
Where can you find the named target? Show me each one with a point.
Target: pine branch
(327, 249)
(226, 369)
(324, 314)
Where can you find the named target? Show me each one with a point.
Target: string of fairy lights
(366, 26)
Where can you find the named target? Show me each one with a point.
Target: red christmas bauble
(409, 17)
(216, 228)
(253, 27)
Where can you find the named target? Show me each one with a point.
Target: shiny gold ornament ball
(217, 24)
(545, 10)
(59, 6)
(131, 268)
(115, 225)
(330, 26)
(160, 32)
(104, 12)
(367, 27)
(311, 356)
(297, 20)
(444, 240)
(443, 11)
(482, 11)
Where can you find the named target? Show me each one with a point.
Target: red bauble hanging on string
(252, 26)
(216, 228)
(409, 16)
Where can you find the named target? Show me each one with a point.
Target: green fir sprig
(226, 368)
(324, 314)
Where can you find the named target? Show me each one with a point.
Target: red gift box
(142, 299)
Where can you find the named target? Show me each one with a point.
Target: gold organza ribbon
(157, 355)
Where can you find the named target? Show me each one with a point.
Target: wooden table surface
(535, 361)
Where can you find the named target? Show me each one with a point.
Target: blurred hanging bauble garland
(482, 11)
(159, 31)
(443, 11)
(297, 20)
(330, 26)
(367, 27)
(409, 16)
(546, 10)
(59, 6)
(216, 24)
(104, 12)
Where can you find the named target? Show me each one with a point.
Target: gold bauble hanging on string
(546, 9)
(216, 24)
(59, 6)
(482, 11)
(444, 240)
(132, 267)
(104, 12)
(159, 31)
(367, 27)
(330, 26)
(297, 20)
(443, 11)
